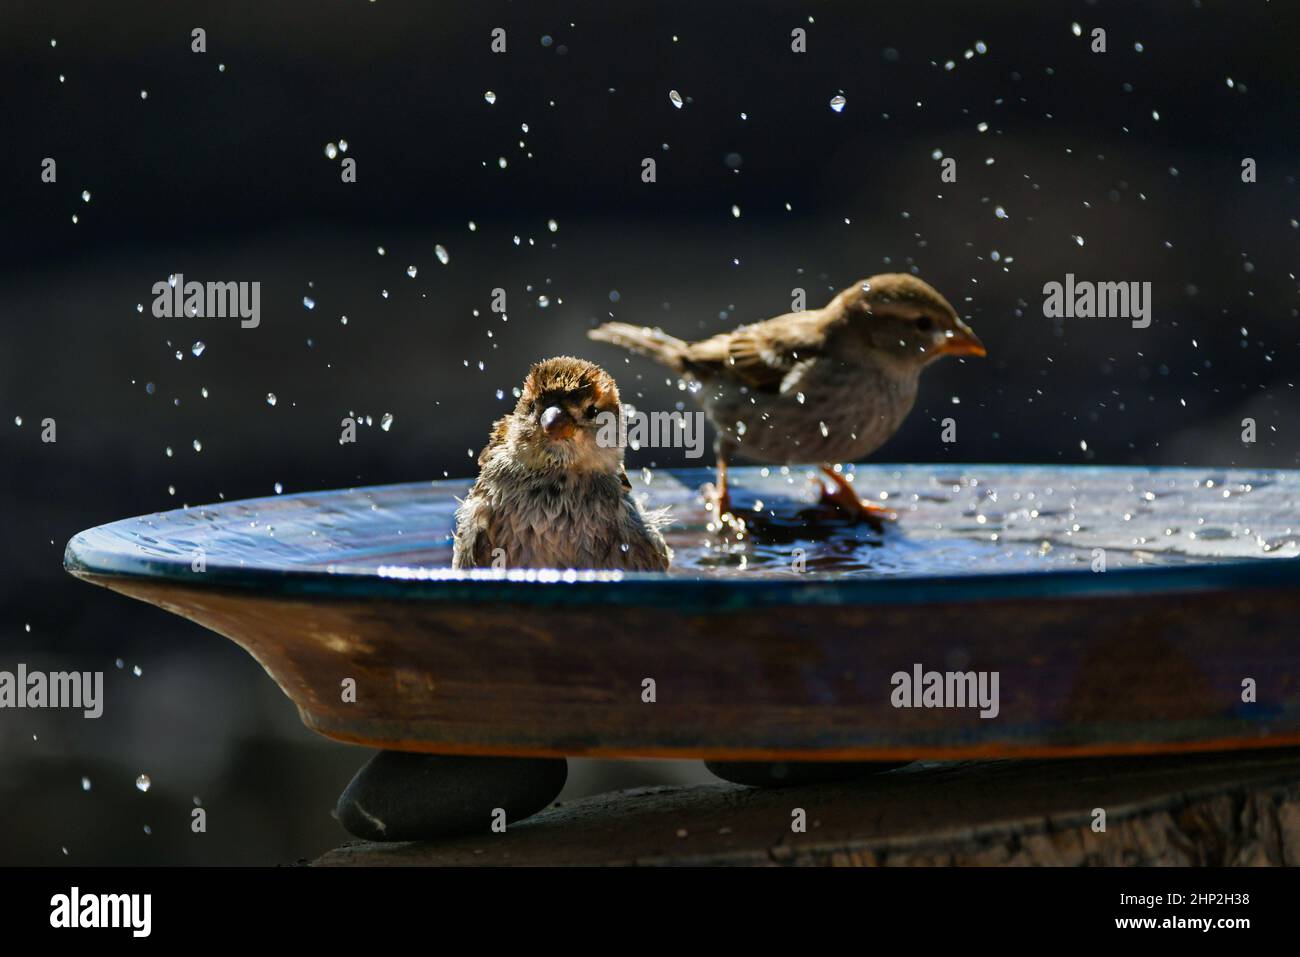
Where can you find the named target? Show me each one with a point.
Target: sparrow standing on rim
(549, 494)
(823, 386)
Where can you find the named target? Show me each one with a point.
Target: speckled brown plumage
(550, 494)
(822, 386)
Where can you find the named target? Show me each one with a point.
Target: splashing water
(952, 522)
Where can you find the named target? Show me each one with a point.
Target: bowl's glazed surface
(1121, 610)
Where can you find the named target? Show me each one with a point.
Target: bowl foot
(404, 796)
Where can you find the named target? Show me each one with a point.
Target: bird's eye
(591, 411)
(924, 323)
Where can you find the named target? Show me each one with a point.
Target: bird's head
(906, 319)
(563, 417)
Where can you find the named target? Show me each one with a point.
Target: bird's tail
(655, 343)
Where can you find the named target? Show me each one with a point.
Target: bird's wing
(497, 437)
(760, 355)
(638, 544)
(473, 546)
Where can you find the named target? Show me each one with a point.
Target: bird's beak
(963, 342)
(556, 423)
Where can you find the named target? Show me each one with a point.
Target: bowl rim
(100, 554)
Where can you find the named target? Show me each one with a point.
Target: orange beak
(964, 343)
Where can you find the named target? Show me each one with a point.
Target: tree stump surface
(1218, 809)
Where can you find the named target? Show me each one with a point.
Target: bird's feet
(842, 496)
(721, 517)
(716, 500)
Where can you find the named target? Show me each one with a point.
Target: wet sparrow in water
(549, 494)
(823, 386)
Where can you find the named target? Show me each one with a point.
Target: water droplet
(198, 446)
(85, 783)
(343, 146)
(441, 252)
(552, 225)
(278, 488)
(838, 103)
(271, 399)
(18, 420)
(142, 783)
(411, 271)
(137, 671)
(331, 151)
(144, 94)
(735, 212)
(85, 196)
(675, 98)
(490, 97)
(386, 422)
(198, 348)
(543, 301)
(309, 302)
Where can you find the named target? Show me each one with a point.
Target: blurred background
(525, 167)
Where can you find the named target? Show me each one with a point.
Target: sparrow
(821, 386)
(552, 491)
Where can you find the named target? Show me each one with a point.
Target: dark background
(221, 175)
